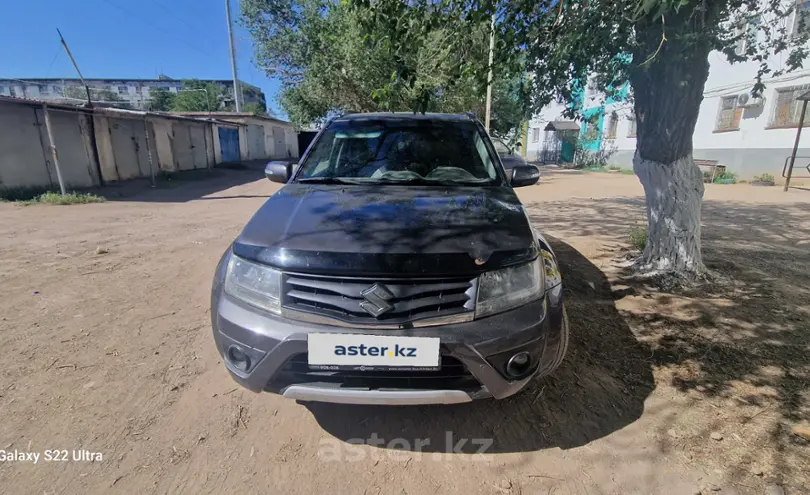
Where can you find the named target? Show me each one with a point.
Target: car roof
(445, 117)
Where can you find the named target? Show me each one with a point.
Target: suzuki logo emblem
(377, 297)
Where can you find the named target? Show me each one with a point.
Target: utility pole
(237, 93)
(49, 129)
(75, 66)
(489, 74)
(91, 123)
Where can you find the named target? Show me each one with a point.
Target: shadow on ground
(600, 388)
(737, 347)
(180, 187)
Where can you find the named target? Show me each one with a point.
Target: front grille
(452, 375)
(402, 301)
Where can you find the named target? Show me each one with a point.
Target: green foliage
(638, 237)
(160, 100)
(660, 46)
(334, 58)
(726, 178)
(55, 198)
(764, 178)
(255, 109)
(199, 96)
(21, 193)
(626, 171)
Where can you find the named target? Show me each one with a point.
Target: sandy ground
(107, 349)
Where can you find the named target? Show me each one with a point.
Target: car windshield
(400, 150)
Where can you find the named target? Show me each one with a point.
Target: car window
(500, 147)
(401, 149)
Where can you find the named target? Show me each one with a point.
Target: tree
(199, 96)
(255, 109)
(328, 64)
(160, 100)
(660, 46)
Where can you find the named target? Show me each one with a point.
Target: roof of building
(116, 112)
(121, 79)
(233, 115)
(562, 125)
(450, 117)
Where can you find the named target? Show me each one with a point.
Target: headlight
(255, 284)
(553, 276)
(501, 290)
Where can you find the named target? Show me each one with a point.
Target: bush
(614, 167)
(726, 178)
(21, 193)
(54, 198)
(638, 237)
(627, 171)
(764, 178)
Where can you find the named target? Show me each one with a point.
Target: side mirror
(524, 175)
(278, 172)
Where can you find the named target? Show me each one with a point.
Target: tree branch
(663, 39)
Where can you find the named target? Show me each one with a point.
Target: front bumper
(277, 347)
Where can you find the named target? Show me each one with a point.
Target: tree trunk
(668, 80)
(674, 192)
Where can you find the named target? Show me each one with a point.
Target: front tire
(562, 349)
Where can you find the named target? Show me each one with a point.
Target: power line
(174, 14)
(156, 28)
(58, 51)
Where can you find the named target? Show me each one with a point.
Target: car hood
(357, 230)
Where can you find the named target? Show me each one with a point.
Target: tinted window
(390, 150)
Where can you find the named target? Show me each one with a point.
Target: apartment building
(136, 92)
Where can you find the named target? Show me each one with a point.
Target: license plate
(351, 351)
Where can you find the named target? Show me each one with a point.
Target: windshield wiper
(328, 180)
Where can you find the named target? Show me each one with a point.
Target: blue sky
(126, 39)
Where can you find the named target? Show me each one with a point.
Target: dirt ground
(107, 348)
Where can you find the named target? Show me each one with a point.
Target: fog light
(518, 364)
(238, 358)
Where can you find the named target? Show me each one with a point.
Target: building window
(536, 135)
(612, 125)
(590, 88)
(591, 129)
(747, 31)
(787, 107)
(122, 90)
(16, 91)
(2, 89)
(631, 126)
(43, 90)
(739, 47)
(801, 19)
(728, 119)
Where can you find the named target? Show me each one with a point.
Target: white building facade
(750, 136)
(136, 92)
